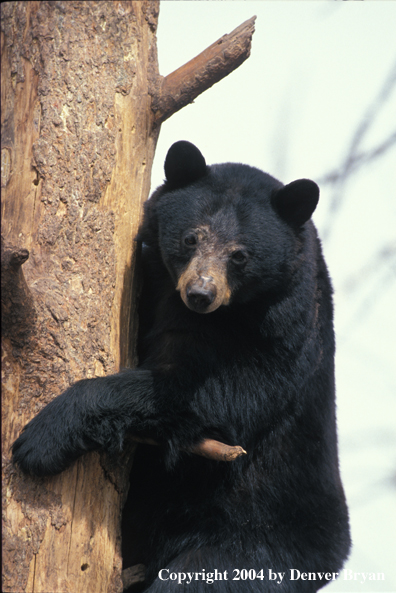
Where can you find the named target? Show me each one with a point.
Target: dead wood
(216, 450)
(209, 448)
(183, 85)
(17, 308)
(133, 575)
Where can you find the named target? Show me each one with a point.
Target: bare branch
(355, 158)
(183, 85)
(386, 256)
(215, 450)
(133, 575)
(360, 159)
(207, 448)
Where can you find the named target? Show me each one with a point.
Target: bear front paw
(51, 441)
(37, 451)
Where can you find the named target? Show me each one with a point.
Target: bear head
(226, 233)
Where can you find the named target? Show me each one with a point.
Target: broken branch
(17, 308)
(183, 85)
(133, 575)
(209, 448)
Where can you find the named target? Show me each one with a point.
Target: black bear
(236, 344)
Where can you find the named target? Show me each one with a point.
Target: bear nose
(199, 297)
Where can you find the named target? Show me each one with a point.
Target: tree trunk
(77, 145)
(82, 103)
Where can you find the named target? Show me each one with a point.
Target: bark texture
(82, 102)
(77, 146)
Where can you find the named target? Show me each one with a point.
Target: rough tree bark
(82, 103)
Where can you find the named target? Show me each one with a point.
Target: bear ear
(296, 202)
(184, 164)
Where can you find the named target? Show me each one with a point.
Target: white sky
(291, 109)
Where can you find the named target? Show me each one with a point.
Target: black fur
(256, 372)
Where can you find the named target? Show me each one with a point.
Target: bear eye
(190, 239)
(239, 257)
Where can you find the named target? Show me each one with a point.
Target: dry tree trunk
(82, 103)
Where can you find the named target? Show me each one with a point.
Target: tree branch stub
(133, 575)
(17, 307)
(209, 448)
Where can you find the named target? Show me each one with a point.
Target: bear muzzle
(204, 293)
(201, 294)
